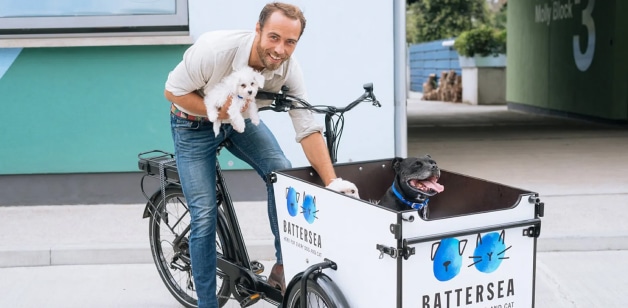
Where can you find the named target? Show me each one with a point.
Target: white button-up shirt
(216, 54)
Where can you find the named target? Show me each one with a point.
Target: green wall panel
(542, 57)
(85, 109)
(620, 74)
(527, 69)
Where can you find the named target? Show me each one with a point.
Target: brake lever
(368, 88)
(375, 101)
(284, 105)
(277, 107)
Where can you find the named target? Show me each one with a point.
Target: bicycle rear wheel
(169, 241)
(322, 292)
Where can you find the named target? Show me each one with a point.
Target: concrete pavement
(100, 234)
(563, 279)
(579, 169)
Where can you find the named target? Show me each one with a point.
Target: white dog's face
(247, 82)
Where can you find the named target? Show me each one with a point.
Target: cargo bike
(475, 247)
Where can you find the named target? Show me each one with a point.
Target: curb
(258, 250)
(101, 254)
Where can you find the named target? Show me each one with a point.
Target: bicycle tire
(174, 268)
(322, 292)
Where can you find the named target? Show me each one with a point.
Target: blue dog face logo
(309, 208)
(447, 257)
(292, 197)
(489, 252)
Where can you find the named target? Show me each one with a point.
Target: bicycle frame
(246, 286)
(242, 266)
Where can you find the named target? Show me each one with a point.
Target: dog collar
(240, 97)
(414, 205)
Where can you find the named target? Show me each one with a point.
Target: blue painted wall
(430, 58)
(85, 109)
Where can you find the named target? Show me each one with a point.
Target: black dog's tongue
(430, 183)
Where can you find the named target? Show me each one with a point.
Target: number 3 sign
(583, 60)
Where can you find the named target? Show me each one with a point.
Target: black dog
(415, 181)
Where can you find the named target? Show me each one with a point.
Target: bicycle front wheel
(322, 292)
(169, 229)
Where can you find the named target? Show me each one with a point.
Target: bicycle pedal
(251, 300)
(257, 267)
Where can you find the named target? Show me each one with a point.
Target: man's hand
(222, 112)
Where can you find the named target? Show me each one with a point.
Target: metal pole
(400, 78)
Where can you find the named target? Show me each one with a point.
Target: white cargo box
(477, 247)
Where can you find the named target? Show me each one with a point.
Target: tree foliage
(498, 20)
(429, 20)
(482, 41)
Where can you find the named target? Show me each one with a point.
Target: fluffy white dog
(242, 85)
(344, 187)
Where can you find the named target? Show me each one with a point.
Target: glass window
(90, 17)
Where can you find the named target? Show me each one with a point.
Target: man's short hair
(289, 10)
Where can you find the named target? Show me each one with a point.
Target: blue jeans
(195, 147)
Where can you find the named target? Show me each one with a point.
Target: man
(213, 56)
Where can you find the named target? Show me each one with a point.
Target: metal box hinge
(532, 231)
(272, 177)
(395, 253)
(395, 229)
(407, 251)
(539, 207)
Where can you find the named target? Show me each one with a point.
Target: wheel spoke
(169, 236)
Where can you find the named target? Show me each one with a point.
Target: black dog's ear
(428, 155)
(396, 163)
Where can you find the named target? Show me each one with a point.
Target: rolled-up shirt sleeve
(304, 124)
(303, 120)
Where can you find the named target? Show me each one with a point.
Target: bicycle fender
(328, 286)
(153, 199)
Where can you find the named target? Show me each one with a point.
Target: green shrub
(482, 41)
(500, 41)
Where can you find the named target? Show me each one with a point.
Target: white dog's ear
(231, 82)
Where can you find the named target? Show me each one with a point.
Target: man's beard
(262, 54)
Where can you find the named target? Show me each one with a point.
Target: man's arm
(191, 101)
(316, 152)
(195, 103)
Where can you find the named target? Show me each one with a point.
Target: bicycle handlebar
(333, 129)
(285, 102)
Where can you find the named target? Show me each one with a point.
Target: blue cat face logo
(447, 257)
(489, 252)
(292, 197)
(309, 208)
